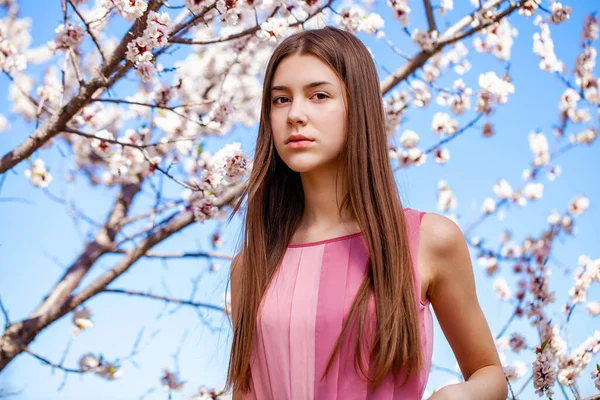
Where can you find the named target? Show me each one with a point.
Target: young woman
(331, 290)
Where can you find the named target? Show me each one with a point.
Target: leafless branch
(429, 14)
(55, 365)
(166, 299)
(5, 314)
(89, 31)
(150, 254)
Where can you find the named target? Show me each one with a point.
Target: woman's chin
(301, 167)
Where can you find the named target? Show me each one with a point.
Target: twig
(54, 365)
(166, 299)
(5, 314)
(89, 30)
(180, 255)
(429, 14)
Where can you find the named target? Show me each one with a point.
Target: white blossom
(230, 162)
(539, 147)
(560, 13)
(578, 205)
(38, 174)
(130, 9)
(409, 139)
(502, 289)
(489, 205)
(421, 94)
(593, 308)
(543, 46)
(529, 7)
(503, 189)
(442, 156)
(272, 30)
(400, 10)
(82, 319)
(67, 36)
(444, 124)
(446, 199)
(534, 191)
(424, 39)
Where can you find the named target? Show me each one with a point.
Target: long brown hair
(275, 204)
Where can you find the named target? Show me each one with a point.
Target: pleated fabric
(302, 314)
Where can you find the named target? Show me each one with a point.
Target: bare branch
(54, 365)
(429, 14)
(177, 224)
(5, 314)
(89, 30)
(163, 298)
(180, 255)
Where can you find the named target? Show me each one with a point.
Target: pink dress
(302, 314)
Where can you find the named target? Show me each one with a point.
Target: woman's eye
(275, 101)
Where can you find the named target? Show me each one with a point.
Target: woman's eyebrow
(308, 86)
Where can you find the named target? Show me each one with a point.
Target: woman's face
(300, 106)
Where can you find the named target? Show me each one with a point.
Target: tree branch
(163, 298)
(89, 30)
(450, 36)
(54, 365)
(429, 14)
(58, 122)
(150, 254)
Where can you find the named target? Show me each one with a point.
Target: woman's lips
(298, 144)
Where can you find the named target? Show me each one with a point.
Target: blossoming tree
(197, 66)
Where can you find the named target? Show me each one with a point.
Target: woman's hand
(452, 392)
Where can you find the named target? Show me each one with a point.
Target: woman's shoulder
(439, 234)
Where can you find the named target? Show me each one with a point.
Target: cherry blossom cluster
(589, 272)
(400, 10)
(67, 36)
(354, 19)
(272, 30)
(128, 9)
(459, 101)
(394, 107)
(446, 200)
(560, 13)
(455, 57)
(572, 367)
(139, 50)
(226, 167)
(412, 155)
(544, 372)
(496, 39)
(101, 367)
(494, 90)
(568, 107)
(82, 319)
(529, 7)
(543, 46)
(14, 38)
(426, 40)
(38, 174)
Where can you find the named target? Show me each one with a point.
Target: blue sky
(39, 240)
